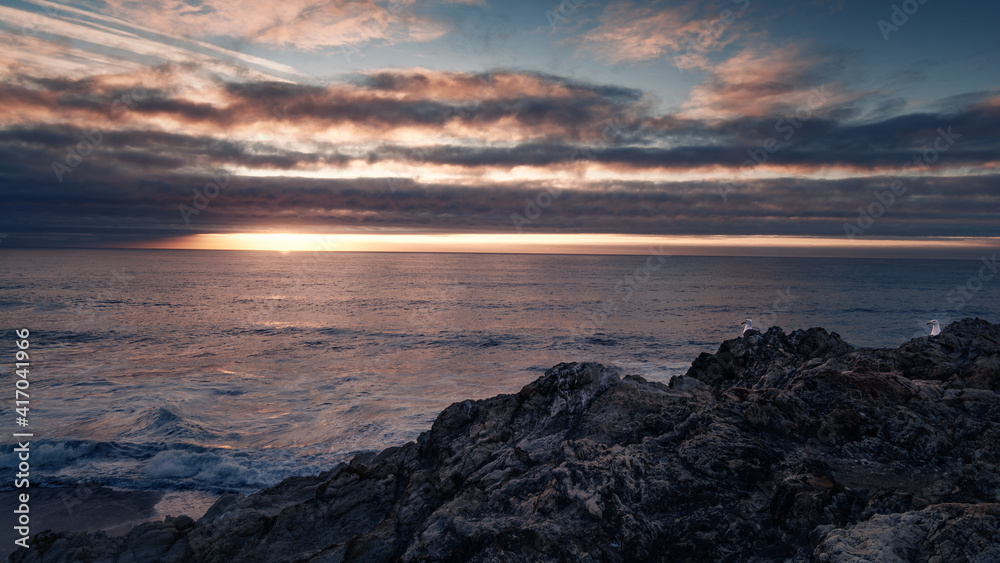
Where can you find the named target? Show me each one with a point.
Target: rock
(183, 522)
(779, 447)
(766, 360)
(967, 354)
(944, 532)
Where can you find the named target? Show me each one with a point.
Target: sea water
(229, 371)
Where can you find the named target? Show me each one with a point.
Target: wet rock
(944, 532)
(779, 447)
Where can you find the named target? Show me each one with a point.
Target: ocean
(215, 371)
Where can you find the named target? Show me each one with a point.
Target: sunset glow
(408, 125)
(721, 265)
(564, 244)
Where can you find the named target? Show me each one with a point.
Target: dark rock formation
(779, 447)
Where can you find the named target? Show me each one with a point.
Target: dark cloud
(540, 102)
(133, 183)
(91, 199)
(489, 82)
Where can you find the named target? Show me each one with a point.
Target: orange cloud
(991, 103)
(303, 24)
(630, 32)
(406, 107)
(71, 42)
(757, 82)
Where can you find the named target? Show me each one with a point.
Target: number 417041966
(21, 369)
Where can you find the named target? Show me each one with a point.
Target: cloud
(68, 41)
(302, 24)
(397, 106)
(633, 32)
(465, 125)
(430, 149)
(759, 81)
(421, 83)
(142, 192)
(749, 81)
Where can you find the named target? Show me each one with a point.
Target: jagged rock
(766, 360)
(945, 532)
(779, 447)
(965, 355)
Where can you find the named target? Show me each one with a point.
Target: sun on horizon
(575, 243)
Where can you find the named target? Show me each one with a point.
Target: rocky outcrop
(780, 447)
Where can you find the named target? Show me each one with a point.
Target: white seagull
(747, 325)
(935, 327)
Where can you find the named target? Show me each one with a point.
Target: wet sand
(90, 509)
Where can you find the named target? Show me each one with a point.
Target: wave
(166, 466)
(162, 422)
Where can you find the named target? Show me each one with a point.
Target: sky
(815, 127)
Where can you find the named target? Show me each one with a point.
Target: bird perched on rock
(747, 325)
(935, 327)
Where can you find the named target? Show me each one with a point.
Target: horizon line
(604, 244)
